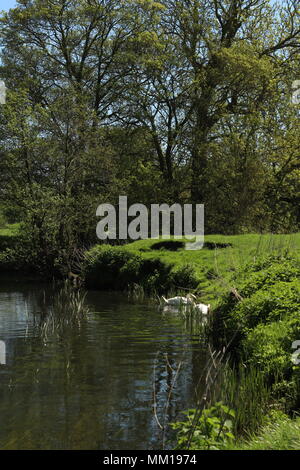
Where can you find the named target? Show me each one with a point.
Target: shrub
(264, 347)
(271, 291)
(212, 430)
(267, 305)
(155, 275)
(266, 322)
(185, 276)
(109, 267)
(280, 271)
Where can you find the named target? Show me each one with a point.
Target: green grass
(214, 268)
(10, 230)
(9, 235)
(265, 269)
(283, 434)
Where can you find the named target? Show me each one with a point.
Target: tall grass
(281, 433)
(245, 390)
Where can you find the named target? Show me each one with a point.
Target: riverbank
(258, 322)
(207, 271)
(167, 265)
(253, 284)
(281, 434)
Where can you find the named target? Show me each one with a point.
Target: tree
(234, 51)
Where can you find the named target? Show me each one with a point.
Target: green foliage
(267, 304)
(243, 389)
(109, 267)
(141, 116)
(246, 390)
(185, 277)
(8, 236)
(279, 433)
(2, 220)
(212, 430)
(270, 291)
(265, 347)
(273, 270)
(265, 323)
(209, 272)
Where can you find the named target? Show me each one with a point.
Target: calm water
(90, 385)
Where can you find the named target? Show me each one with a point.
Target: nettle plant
(212, 430)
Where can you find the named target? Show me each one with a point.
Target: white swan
(177, 301)
(204, 309)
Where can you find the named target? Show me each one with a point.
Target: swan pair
(190, 299)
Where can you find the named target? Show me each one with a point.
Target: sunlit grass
(10, 230)
(214, 268)
(283, 434)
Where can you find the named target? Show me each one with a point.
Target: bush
(270, 289)
(212, 430)
(264, 347)
(266, 305)
(185, 277)
(155, 275)
(265, 323)
(109, 267)
(282, 270)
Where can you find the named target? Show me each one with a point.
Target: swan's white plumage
(204, 309)
(177, 301)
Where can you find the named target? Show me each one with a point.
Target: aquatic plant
(68, 308)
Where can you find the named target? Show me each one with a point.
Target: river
(90, 385)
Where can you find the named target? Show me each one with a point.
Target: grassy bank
(281, 434)
(262, 323)
(208, 271)
(258, 321)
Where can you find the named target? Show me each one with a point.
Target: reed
(241, 390)
(69, 308)
(245, 390)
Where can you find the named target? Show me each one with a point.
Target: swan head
(191, 297)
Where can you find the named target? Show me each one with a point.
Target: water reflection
(90, 385)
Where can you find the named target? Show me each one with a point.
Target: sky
(7, 4)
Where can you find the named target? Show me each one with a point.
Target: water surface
(90, 385)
